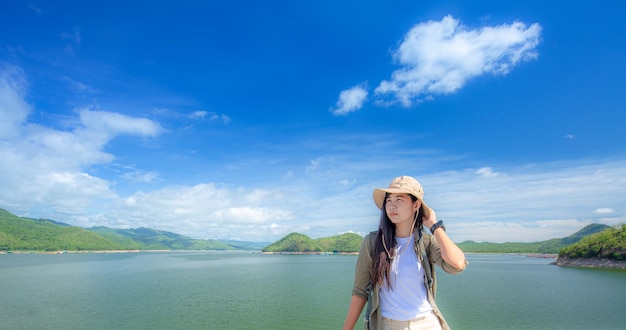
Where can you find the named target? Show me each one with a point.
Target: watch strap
(436, 226)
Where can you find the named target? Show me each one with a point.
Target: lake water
(244, 290)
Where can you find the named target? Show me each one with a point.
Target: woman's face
(401, 208)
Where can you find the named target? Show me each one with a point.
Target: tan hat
(402, 185)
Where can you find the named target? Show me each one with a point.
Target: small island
(606, 249)
(295, 243)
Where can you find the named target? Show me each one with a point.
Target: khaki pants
(427, 322)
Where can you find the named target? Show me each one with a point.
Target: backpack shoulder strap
(426, 263)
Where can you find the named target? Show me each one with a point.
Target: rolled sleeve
(363, 269)
(435, 255)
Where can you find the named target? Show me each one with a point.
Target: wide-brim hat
(402, 185)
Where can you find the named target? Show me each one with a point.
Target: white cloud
(257, 195)
(198, 115)
(202, 210)
(140, 176)
(439, 57)
(347, 183)
(39, 149)
(44, 166)
(314, 165)
(13, 109)
(486, 171)
(350, 100)
(224, 119)
(214, 117)
(250, 215)
(46, 173)
(110, 124)
(79, 86)
(528, 203)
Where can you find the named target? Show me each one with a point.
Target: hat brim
(379, 197)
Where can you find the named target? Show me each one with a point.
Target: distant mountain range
(551, 246)
(296, 242)
(25, 234)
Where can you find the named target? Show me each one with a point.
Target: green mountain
(552, 246)
(244, 245)
(349, 242)
(151, 239)
(610, 243)
(25, 234)
(293, 242)
(43, 235)
(296, 242)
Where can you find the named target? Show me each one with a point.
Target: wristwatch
(439, 224)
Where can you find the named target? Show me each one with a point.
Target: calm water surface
(243, 290)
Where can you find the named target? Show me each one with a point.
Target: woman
(398, 261)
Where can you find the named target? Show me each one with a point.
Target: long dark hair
(384, 249)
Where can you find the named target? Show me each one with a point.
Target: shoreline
(595, 263)
(101, 251)
(75, 252)
(311, 253)
(543, 255)
(529, 255)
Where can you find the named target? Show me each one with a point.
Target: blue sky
(250, 120)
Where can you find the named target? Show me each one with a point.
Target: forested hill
(296, 242)
(25, 234)
(551, 246)
(152, 239)
(46, 235)
(607, 244)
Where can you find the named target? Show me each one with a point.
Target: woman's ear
(417, 205)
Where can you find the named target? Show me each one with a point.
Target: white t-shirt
(407, 299)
